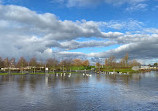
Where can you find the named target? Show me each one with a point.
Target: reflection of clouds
(95, 92)
(135, 94)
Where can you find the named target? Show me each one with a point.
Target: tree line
(51, 63)
(64, 65)
(124, 62)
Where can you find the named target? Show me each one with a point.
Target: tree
(106, 62)
(122, 62)
(98, 65)
(22, 63)
(33, 63)
(66, 64)
(6, 62)
(41, 64)
(12, 63)
(134, 63)
(155, 64)
(1, 63)
(77, 62)
(126, 59)
(110, 61)
(85, 63)
(51, 63)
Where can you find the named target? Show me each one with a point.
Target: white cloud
(68, 45)
(137, 7)
(26, 33)
(143, 48)
(151, 30)
(125, 25)
(82, 3)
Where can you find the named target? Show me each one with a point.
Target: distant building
(135, 68)
(144, 67)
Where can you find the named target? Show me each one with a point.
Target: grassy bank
(108, 69)
(37, 73)
(81, 68)
(123, 70)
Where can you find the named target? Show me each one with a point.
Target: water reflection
(79, 92)
(54, 80)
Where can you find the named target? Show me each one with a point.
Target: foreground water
(77, 92)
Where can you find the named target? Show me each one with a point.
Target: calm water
(138, 92)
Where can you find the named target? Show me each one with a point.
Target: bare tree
(52, 64)
(77, 63)
(33, 63)
(134, 63)
(1, 63)
(111, 61)
(21, 64)
(12, 63)
(98, 65)
(66, 64)
(106, 62)
(6, 62)
(126, 59)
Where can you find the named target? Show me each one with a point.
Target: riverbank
(123, 70)
(74, 72)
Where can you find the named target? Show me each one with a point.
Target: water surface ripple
(76, 92)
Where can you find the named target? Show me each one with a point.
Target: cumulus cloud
(151, 30)
(142, 48)
(24, 32)
(48, 24)
(75, 44)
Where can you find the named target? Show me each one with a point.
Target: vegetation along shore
(52, 66)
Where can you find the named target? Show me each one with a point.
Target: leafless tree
(52, 63)
(21, 63)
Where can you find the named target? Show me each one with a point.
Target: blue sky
(101, 12)
(107, 27)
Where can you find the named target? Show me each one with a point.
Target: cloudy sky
(79, 29)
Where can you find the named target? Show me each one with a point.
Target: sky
(86, 29)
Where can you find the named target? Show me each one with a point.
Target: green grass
(124, 70)
(3, 73)
(82, 68)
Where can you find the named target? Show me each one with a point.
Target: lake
(77, 92)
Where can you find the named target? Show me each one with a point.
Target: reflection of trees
(77, 79)
(64, 80)
(122, 78)
(21, 80)
(7, 78)
(126, 78)
(111, 78)
(33, 81)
